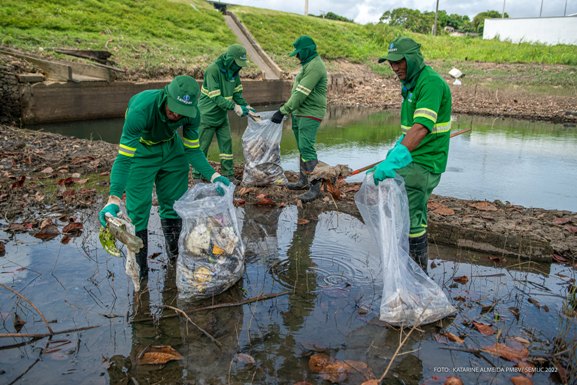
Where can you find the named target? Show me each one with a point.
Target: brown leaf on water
(453, 380)
(302, 221)
(66, 239)
(559, 258)
(506, 352)
(158, 355)
(484, 329)
(515, 311)
(534, 302)
(453, 337)
(521, 380)
(18, 323)
(238, 202)
(337, 371)
(73, 228)
(462, 279)
(2, 249)
(483, 206)
(47, 233)
(318, 361)
(46, 222)
(245, 359)
(495, 259)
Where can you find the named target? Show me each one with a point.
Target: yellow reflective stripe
(152, 142)
(415, 235)
(303, 89)
(238, 88)
(225, 156)
(405, 128)
(425, 113)
(210, 94)
(126, 151)
(191, 143)
(440, 128)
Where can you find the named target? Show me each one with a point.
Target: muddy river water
(328, 274)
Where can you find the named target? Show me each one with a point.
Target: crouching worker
(420, 155)
(307, 105)
(152, 154)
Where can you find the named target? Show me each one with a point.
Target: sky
(369, 11)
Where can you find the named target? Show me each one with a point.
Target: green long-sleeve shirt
(221, 90)
(146, 124)
(309, 91)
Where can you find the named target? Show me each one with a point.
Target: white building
(547, 30)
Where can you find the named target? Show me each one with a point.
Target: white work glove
(238, 110)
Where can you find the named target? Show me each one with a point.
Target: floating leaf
(302, 221)
(47, 233)
(452, 380)
(521, 380)
(483, 206)
(506, 352)
(158, 355)
(515, 311)
(559, 258)
(484, 329)
(2, 249)
(462, 279)
(73, 228)
(18, 323)
(453, 337)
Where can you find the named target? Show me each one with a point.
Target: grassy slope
(158, 38)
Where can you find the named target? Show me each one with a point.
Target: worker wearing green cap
(222, 92)
(152, 154)
(420, 154)
(307, 105)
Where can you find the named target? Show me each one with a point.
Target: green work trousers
(224, 140)
(419, 184)
(163, 165)
(305, 130)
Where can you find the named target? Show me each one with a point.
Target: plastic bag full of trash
(261, 149)
(211, 252)
(409, 297)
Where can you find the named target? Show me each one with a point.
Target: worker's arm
(414, 136)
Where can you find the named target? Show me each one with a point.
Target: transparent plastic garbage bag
(409, 296)
(261, 149)
(211, 251)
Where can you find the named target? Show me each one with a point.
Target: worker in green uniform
(152, 154)
(222, 92)
(420, 154)
(307, 105)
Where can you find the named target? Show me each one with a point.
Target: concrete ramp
(270, 70)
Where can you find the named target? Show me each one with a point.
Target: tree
(334, 16)
(411, 19)
(479, 19)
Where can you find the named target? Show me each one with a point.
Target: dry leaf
(73, 228)
(238, 202)
(45, 222)
(302, 221)
(47, 233)
(515, 311)
(453, 337)
(483, 206)
(521, 380)
(19, 182)
(452, 380)
(534, 302)
(47, 170)
(65, 240)
(244, 190)
(265, 201)
(559, 258)
(506, 352)
(441, 209)
(158, 355)
(371, 382)
(18, 323)
(244, 359)
(2, 249)
(484, 329)
(462, 279)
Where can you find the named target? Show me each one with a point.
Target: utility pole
(565, 11)
(541, 10)
(503, 13)
(435, 24)
(306, 7)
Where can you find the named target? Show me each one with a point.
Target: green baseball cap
(303, 42)
(182, 96)
(238, 53)
(399, 48)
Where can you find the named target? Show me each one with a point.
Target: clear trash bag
(409, 297)
(211, 251)
(261, 149)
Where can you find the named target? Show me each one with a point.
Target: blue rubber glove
(112, 209)
(224, 180)
(398, 157)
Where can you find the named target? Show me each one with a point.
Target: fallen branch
(42, 335)
(178, 311)
(31, 304)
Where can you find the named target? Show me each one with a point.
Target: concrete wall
(60, 102)
(547, 30)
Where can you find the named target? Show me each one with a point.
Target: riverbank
(46, 175)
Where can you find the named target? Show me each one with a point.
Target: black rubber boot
(313, 193)
(303, 181)
(418, 249)
(171, 229)
(142, 255)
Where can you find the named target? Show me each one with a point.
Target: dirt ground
(43, 174)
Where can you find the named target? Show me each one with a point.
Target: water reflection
(527, 163)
